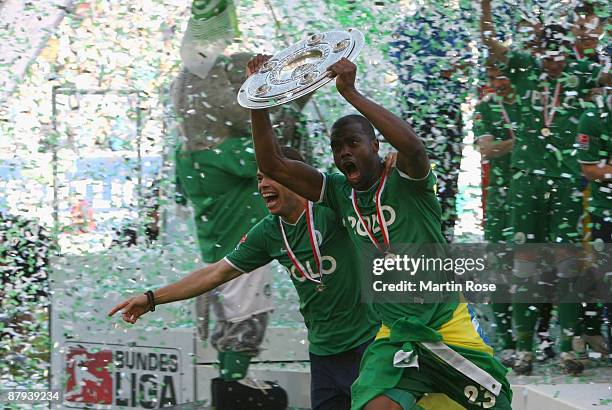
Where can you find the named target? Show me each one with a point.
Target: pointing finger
(118, 307)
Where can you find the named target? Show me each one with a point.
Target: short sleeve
(588, 139)
(332, 188)
(251, 252)
(426, 183)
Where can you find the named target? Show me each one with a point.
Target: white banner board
(104, 363)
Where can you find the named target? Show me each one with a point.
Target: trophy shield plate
(299, 69)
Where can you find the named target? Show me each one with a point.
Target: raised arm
(497, 51)
(192, 285)
(605, 76)
(299, 177)
(597, 172)
(412, 156)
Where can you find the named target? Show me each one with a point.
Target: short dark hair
(292, 153)
(554, 37)
(584, 8)
(365, 124)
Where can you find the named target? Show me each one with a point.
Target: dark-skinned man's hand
(254, 65)
(345, 72)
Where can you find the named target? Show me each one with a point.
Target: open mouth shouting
(351, 171)
(270, 198)
(588, 42)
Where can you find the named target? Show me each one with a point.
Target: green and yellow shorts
(459, 372)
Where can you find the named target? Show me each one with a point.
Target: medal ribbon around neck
(550, 116)
(316, 252)
(507, 119)
(379, 215)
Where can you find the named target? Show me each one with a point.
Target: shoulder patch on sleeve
(583, 141)
(241, 241)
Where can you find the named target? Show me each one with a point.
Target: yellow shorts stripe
(459, 331)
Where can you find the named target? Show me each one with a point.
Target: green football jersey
(336, 319)
(594, 142)
(222, 186)
(411, 212)
(489, 120)
(555, 153)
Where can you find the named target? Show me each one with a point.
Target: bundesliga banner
(119, 375)
(103, 365)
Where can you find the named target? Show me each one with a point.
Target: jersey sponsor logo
(389, 215)
(572, 81)
(567, 100)
(319, 237)
(583, 141)
(328, 266)
(536, 99)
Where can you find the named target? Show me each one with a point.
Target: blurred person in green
(545, 191)
(588, 20)
(216, 168)
(594, 140)
(496, 122)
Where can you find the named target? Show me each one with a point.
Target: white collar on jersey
(296, 222)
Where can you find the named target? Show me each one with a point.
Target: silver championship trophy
(299, 69)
